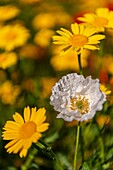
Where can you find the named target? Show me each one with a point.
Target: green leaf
(85, 166)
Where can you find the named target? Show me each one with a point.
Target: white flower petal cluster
(77, 98)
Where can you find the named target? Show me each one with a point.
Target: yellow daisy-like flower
(81, 38)
(7, 60)
(24, 131)
(8, 12)
(12, 36)
(101, 19)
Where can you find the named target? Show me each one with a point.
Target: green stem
(102, 148)
(29, 159)
(76, 147)
(47, 151)
(79, 62)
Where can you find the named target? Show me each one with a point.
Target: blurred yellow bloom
(51, 19)
(30, 51)
(93, 4)
(61, 62)
(104, 89)
(81, 38)
(7, 60)
(8, 12)
(12, 36)
(43, 20)
(43, 37)
(101, 19)
(47, 84)
(23, 131)
(9, 92)
(103, 120)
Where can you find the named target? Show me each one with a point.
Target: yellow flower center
(27, 129)
(80, 103)
(10, 36)
(100, 21)
(78, 40)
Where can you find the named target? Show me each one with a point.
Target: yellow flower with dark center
(101, 19)
(8, 12)
(22, 132)
(12, 36)
(81, 38)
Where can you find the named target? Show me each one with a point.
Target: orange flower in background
(24, 131)
(8, 12)
(103, 120)
(13, 36)
(7, 60)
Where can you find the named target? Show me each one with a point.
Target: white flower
(77, 98)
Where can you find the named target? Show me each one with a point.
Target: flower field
(56, 85)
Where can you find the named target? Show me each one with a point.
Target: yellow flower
(43, 37)
(101, 19)
(22, 132)
(7, 60)
(81, 38)
(92, 5)
(104, 89)
(12, 36)
(43, 20)
(61, 64)
(9, 92)
(8, 12)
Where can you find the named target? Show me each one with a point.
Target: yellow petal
(96, 37)
(66, 31)
(43, 127)
(27, 114)
(18, 118)
(11, 125)
(23, 152)
(64, 34)
(91, 47)
(11, 143)
(75, 28)
(33, 114)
